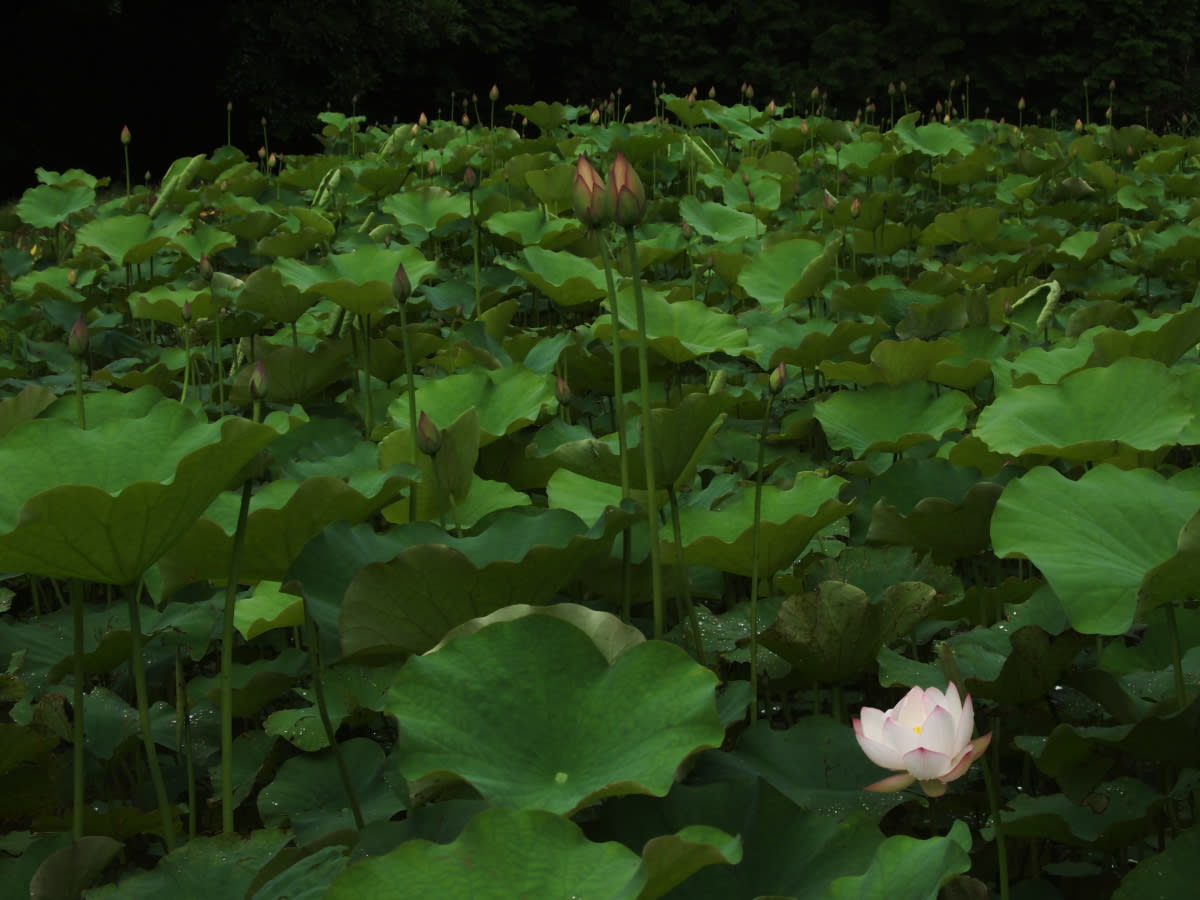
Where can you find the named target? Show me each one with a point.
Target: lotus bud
(815, 94)
(891, 89)
(1112, 84)
(1079, 125)
(258, 381)
(594, 118)
(589, 195)
(494, 93)
(626, 195)
(429, 437)
(771, 108)
(206, 269)
(903, 87)
(186, 312)
(1108, 115)
(830, 201)
(126, 137)
(712, 92)
(77, 340)
(262, 152)
(470, 178)
(401, 286)
(422, 120)
(1021, 104)
(465, 120)
(431, 168)
(777, 379)
(749, 92)
(72, 277)
(562, 390)
(855, 207)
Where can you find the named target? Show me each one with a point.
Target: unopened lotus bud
(712, 92)
(415, 130)
(830, 201)
(470, 178)
(272, 161)
(804, 126)
(778, 379)
(185, 312)
(206, 269)
(494, 93)
(465, 120)
(903, 87)
(937, 107)
(1021, 104)
(1112, 84)
(126, 137)
(401, 286)
(1079, 125)
(855, 207)
(429, 437)
(626, 195)
(686, 230)
(431, 168)
(562, 390)
(589, 195)
(72, 277)
(749, 92)
(77, 340)
(891, 89)
(594, 118)
(258, 381)
(815, 94)
(422, 120)
(1108, 114)
(771, 107)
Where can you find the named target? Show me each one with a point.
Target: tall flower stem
(756, 556)
(143, 709)
(183, 739)
(368, 411)
(989, 781)
(411, 392)
(1176, 654)
(648, 457)
(231, 588)
(77, 735)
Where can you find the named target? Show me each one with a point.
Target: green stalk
(1176, 654)
(412, 406)
(80, 414)
(682, 588)
(77, 708)
(217, 357)
(474, 249)
(143, 708)
(756, 554)
(183, 739)
(989, 781)
(368, 411)
(647, 437)
(239, 538)
(314, 657)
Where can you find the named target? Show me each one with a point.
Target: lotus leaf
(891, 419)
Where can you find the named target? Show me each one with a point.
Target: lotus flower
(626, 195)
(926, 737)
(591, 199)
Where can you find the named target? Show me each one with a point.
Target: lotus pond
(439, 516)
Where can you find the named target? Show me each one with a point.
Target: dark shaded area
(81, 69)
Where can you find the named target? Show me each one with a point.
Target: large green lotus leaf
(264, 292)
(284, 516)
(773, 273)
(1165, 338)
(531, 227)
(1119, 812)
(308, 878)
(1095, 539)
(1172, 873)
(446, 479)
(894, 362)
(308, 795)
(1039, 365)
(967, 224)
(949, 530)
(203, 240)
(506, 400)
(534, 717)
(53, 282)
(1135, 403)
(164, 303)
(890, 419)
(296, 375)
(565, 278)
(24, 407)
(908, 867)
(429, 207)
(408, 604)
(552, 186)
(834, 633)
(724, 537)
(47, 205)
(587, 497)
(361, 280)
(806, 344)
(104, 504)
(679, 331)
(681, 435)
(788, 850)
(934, 139)
(69, 871)
(504, 853)
(128, 240)
(610, 635)
(194, 870)
(716, 220)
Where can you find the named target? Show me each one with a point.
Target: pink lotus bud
(830, 202)
(185, 312)
(494, 93)
(258, 381)
(594, 118)
(562, 391)
(422, 120)
(126, 137)
(77, 340)
(262, 152)
(855, 207)
(72, 277)
(466, 121)
(777, 379)
(401, 286)
(1079, 125)
(470, 178)
(206, 269)
(1021, 104)
(589, 196)
(626, 195)
(429, 437)
(926, 737)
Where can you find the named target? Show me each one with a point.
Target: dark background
(78, 70)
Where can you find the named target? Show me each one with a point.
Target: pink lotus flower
(926, 737)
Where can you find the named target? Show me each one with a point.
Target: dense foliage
(372, 526)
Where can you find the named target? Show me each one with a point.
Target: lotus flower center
(917, 729)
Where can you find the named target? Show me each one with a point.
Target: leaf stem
(231, 587)
(756, 555)
(77, 735)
